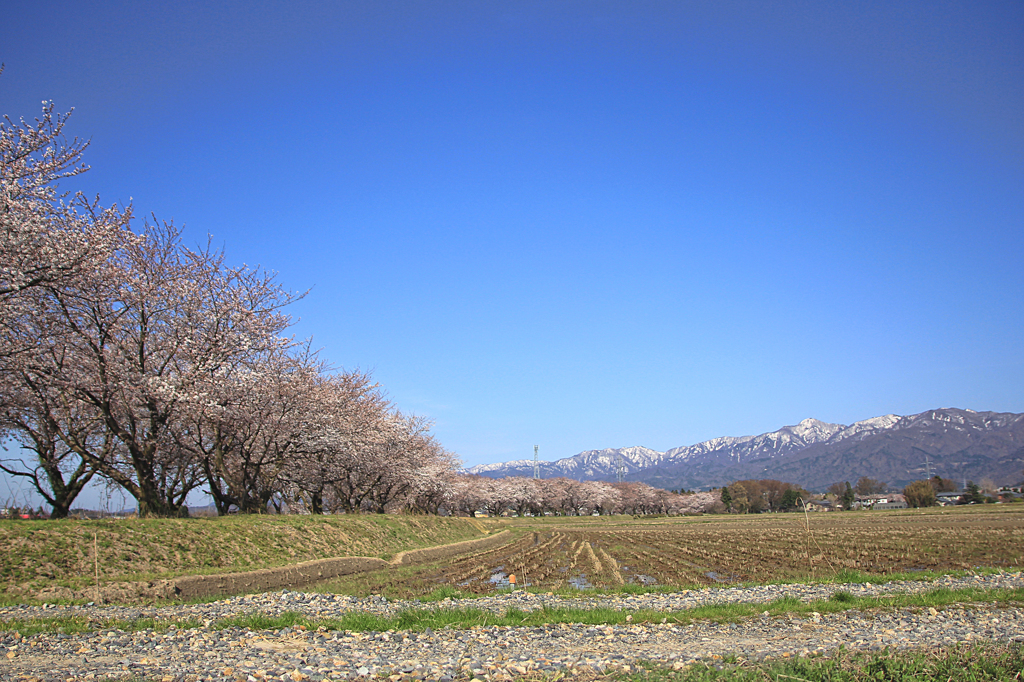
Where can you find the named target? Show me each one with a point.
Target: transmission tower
(536, 462)
(620, 467)
(927, 466)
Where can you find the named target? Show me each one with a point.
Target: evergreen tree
(726, 498)
(848, 498)
(974, 494)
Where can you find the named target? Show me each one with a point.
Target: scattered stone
(497, 653)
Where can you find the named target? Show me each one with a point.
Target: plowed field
(555, 554)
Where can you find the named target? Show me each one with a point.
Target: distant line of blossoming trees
(557, 496)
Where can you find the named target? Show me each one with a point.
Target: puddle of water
(580, 582)
(499, 580)
(721, 577)
(644, 580)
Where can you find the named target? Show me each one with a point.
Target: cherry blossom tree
(699, 503)
(49, 241)
(47, 238)
(329, 470)
(161, 369)
(149, 340)
(244, 437)
(34, 419)
(33, 157)
(436, 496)
(408, 460)
(469, 494)
(522, 495)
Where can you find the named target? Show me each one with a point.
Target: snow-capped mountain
(775, 444)
(954, 443)
(592, 465)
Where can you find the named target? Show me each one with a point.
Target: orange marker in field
(512, 581)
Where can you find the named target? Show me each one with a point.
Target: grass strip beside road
(963, 663)
(419, 619)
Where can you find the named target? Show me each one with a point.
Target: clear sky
(583, 224)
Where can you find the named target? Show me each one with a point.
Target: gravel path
(492, 653)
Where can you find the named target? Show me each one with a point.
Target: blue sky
(583, 224)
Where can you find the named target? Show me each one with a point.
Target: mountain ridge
(952, 442)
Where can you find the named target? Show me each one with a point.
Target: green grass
(842, 597)
(465, 617)
(71, 625)
(629, 588)
(445, 592)
(968, 663)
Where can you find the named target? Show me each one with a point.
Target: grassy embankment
(41, 554)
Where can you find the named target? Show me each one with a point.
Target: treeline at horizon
(467, 495)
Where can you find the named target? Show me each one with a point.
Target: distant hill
(954, 443)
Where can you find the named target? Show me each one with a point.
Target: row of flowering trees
(127, 356)
(557, 496)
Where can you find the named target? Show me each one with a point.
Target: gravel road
(490, 653)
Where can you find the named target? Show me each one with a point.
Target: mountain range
(954, 443)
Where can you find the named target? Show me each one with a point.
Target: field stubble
(560, 554)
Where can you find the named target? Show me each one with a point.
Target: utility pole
(536, 462)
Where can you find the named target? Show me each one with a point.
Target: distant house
(822, 506)
(896, 501)
(947, 499)
(1011, 492)
(887, 501)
